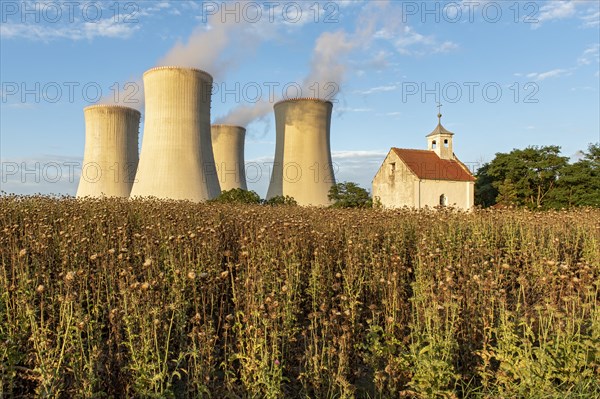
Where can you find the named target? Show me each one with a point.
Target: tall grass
(110, 298)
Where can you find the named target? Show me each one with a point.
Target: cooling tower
(302, 167)
(176, 160)
(110, 157)
(228, 149)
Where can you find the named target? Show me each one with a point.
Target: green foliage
(238, 196)
(579, 183)
(534, 359)
(530, 174)
(485, 191)
(508, 194)
(281, 200)
(349, 195)
(538, 177)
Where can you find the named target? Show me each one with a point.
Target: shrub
(349, 195)
(238, 196)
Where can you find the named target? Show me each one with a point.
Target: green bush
(238, 196)
(349, 195)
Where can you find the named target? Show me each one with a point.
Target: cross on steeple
(440, 140)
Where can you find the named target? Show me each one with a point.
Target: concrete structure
(302, 167)
(176, 160)
(110, 157)
(228, 150)
(425, 178)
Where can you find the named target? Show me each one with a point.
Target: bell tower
(440, 140)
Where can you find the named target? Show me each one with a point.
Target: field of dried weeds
(113, 298)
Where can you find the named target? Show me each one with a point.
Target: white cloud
(406, 39)
(565, 9)
(108, 28)
(555, 73)
(42, 174)
(411, 37)
(379, 60)
(392, 114)
(349, 3)
(583, 88)
(75, 23)
(590, 54)
(411, 42)
(359, 155)
(556, 10)
(377, 89)
(592, 19)
(342, 110)
(75, 31)
(445, 47)
(357, 166)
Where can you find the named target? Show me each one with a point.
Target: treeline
(341, 195)
(539, 177)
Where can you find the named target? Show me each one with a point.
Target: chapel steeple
(440, 140)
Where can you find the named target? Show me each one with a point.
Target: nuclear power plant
(228, 150)
(110, 157)
(176, 159)
(302, 168)
(183, 157)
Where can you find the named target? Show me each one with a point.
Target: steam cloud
(327, 67)
(206, 48)
(244, 114)
(219, 47)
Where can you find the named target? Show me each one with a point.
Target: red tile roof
(426, 164)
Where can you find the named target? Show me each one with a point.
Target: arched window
(433, 144)
(443, 200)
(446, 143)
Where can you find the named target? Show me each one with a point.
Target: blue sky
(509, 74)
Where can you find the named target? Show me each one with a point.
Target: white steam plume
(208, 48)
(327, 72)
(205, 48)
(244, 114)
(327, 64)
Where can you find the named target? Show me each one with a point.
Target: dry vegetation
(154, 299)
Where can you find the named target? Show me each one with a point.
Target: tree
(532, 173)
(579, 183)
(507, 193)
(485, 191)
(349, 195)
(238, 195)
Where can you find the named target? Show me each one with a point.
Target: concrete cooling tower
(176, 160)
(110, 157)
(228, 149)
(302, 168)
